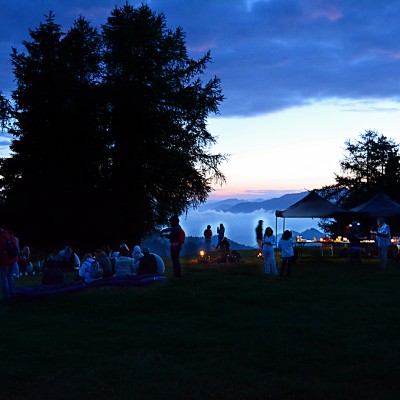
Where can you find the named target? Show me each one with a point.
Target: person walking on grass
(286, 246)
(268, 244)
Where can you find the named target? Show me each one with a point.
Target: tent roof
(311, 206)
(380, 205)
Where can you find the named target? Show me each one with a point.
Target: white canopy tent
(310, 206)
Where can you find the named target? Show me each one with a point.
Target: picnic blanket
(70, 287)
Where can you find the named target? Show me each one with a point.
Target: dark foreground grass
(331, 331)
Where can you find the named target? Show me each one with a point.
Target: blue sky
(299, 76)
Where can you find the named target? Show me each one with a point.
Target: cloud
(269, 54)
(241, 227)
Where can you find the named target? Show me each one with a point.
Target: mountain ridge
(237, 206)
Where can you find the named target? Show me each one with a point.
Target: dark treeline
(109, 131)
(370, 165)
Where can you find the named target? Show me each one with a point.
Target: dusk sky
(299, 76)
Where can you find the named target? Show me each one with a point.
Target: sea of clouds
(241, 227)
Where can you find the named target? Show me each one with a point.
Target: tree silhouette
(109, 131)
(369, 166)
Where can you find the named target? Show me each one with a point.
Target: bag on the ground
(95, 270)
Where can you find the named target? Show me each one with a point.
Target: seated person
(115, 254)
(124, 265)
(137, 255)
(105, 263)
(88, 271)
(160, 264)
(225, 247)
(52, 273)
(148, 263)
(71, 259)
(54, 255)
(24, 261)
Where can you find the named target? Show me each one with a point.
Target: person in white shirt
(286, 245)
(382, 238)
(268, 244)
(124, 265)
(137, 255)
(85, 270)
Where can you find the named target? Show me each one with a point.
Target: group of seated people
(101, 265)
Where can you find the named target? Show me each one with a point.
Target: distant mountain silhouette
(308, 234)
(222, 205)
(244, 206)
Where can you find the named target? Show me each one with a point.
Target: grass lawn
(223, 331)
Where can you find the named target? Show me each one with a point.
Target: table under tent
(315, 206)
(310, 206)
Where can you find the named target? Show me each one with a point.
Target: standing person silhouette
(286, 245)
(382, 237)
(268, 244)
(173, 233)
(221, 234)
(8, 259)
(207, 238)
(354, 237)
(259, 233)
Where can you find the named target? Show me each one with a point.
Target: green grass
(330, 331)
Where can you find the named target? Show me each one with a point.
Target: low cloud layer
(241, 227)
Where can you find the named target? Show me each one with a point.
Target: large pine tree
(109, 131)
(370, 165)
(158, 111)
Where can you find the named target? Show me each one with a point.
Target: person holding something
(173, 233)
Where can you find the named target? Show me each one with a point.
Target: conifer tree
(158, 120)
(370, 165)
(109, 131)
(52, 169)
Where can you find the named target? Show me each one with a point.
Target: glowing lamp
(202, 253)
